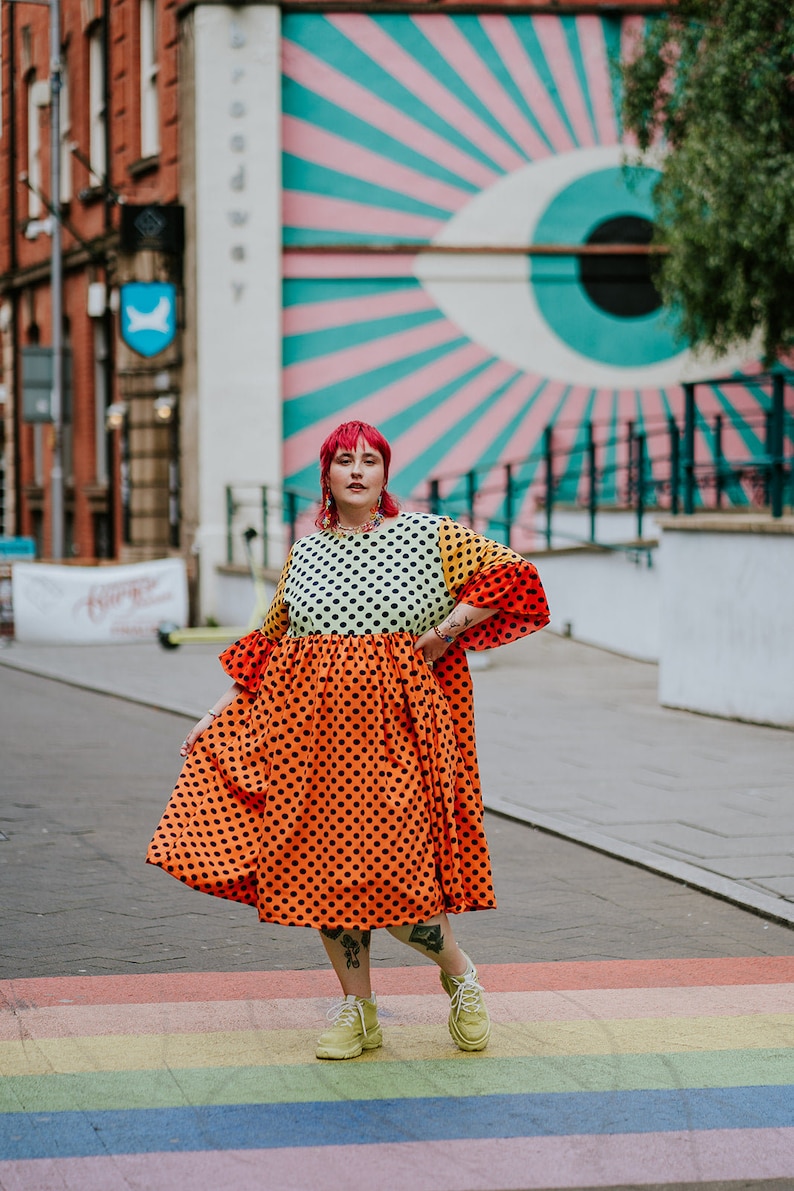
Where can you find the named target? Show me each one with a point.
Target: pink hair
(346, 438)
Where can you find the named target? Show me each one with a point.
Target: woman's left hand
(431, 647)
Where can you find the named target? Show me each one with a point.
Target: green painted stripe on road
(368, 1080)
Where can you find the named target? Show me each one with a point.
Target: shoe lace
(345, 1014)
(466, 997)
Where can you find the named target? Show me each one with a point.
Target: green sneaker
(469, 1023)
(355, 1028)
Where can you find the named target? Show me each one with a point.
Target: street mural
(469, 132)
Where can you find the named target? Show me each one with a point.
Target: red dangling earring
(328, 511)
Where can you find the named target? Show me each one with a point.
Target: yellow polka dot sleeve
(487, 574)
(246, 660)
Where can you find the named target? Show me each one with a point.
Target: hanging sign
(148, 316)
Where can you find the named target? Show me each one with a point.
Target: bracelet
(441, 636)
(213, 713)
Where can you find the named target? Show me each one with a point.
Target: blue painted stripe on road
(366, 1122)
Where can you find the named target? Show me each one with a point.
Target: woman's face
(356, 480)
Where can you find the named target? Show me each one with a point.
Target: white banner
(96, 605)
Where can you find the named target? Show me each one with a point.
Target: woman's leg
(436, 940)
(469, 1023)
(348, 951)
(355, 1025)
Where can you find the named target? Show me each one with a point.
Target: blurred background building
(418, 217)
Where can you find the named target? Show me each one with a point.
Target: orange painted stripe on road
(241, 986)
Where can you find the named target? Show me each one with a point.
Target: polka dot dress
(341, 787)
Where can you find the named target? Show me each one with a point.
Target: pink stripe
(450, 42)
(506, 42)
(343, 312)
(320, 982)
(444, 417)
(324, 80)
(523, 443)
(469, 452)
(493, 1164)
(297, 265)
(352, 361)
(315, 211)
(311, 143)
(411, 1009)
(566, 428)
(558, 59)
(300, 450)
(390, 55)
(594, 55)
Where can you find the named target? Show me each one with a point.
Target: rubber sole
(372, 1041)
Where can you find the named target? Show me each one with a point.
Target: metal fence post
(549, 461)
(689, 448)
(508, 501)
(471, 494)
(640, 483)
(777, 440)
(592, 480)
(675, 464)
(291, 502)
(229, 518)
(719, 461)
(630, 464)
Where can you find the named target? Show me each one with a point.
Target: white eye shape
(537, 313)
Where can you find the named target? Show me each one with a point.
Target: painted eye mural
(442, 133)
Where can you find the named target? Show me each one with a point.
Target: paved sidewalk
(572, 740)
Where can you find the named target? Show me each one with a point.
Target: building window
(66, 134)
(150, 110)
(34, 150)
(96, 105)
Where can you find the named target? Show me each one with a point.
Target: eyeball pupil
(620, 285)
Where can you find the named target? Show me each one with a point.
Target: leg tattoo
(331, 932)
(429, 937)
(352, 948)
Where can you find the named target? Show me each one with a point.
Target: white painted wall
(727, 624)
(605, 599)
(238, 264)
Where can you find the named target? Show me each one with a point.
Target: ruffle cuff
(246, 660)
(516, 591)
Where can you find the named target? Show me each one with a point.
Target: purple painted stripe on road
(520, 1164)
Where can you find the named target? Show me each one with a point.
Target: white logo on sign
(150, 320)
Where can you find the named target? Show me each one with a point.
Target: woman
(335, 785)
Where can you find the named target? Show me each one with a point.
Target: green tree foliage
(713, 82)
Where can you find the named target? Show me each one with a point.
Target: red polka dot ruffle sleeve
(486, 574)
(246, 660)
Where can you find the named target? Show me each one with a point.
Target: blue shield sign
(148, 316)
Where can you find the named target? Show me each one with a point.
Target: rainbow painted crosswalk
(603, 1074)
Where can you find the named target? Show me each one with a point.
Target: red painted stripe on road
(540, 977)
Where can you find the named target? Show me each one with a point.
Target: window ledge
(144, 165)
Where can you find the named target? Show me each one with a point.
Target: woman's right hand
(197, 730)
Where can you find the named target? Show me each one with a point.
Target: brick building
(119, 152)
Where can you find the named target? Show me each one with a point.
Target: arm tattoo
(429, 937)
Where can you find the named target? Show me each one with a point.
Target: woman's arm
(434, 643)
(217, 709)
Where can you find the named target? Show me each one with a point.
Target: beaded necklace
(347, 531)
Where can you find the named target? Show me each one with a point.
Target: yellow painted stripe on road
(288, 1047)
